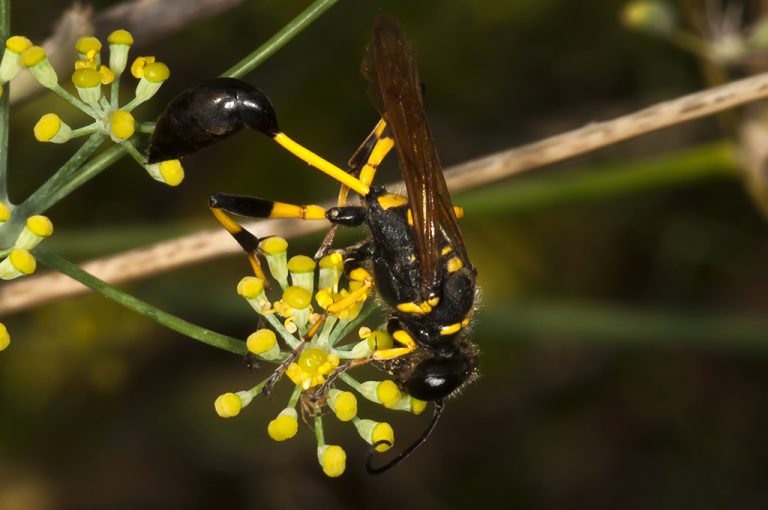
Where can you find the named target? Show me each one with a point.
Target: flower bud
(36, 229)
(120, 42)
(11, 63)
(284, 426)
(332, 459)
(37, 63)
(18, 263)
(122, 125)
(169, 172)
(88, 84)
(50, 128)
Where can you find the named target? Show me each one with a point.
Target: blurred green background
(623, 332)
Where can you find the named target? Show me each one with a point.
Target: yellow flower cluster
(313, 325)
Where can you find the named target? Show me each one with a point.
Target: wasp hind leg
(222, 205)
(363, 165)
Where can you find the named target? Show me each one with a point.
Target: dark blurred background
(623, 334)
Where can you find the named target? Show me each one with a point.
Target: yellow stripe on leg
(305, 212)
(321, 164)
(226, 221)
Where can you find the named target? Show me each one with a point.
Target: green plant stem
(170, 321)
(50, 192)
(280, 39)
(707, 162)
(5, 32)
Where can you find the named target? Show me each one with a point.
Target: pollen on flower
(228, 405)
(137, 67)
(388, 393)
(383, 432)
(417, 406)
(297, 297)
(285, 426)
(106, 75)
(156, 72)
(121, 36)
(18, 44)
(32, 56)
(88, 45)
(261, 341)
(333, 460)
(40, 225)
(250, 287)
(274, 244)
(47, 127)
(86, 78)
(122, 124)
(311, 367)
(344, 404)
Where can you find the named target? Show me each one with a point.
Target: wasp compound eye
(436, 378)
(206, 113)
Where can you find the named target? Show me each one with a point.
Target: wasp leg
(213, 110)
(401, 336)
(320, 394)
(222, 204)
(363, 163)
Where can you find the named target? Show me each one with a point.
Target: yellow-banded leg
(222, 205)
(363, 163)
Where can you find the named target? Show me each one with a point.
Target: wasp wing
(395, 89)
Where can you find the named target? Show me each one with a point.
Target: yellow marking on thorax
(415, 308)
(454, 264)
(389, 200)
(446, 250)
(455, 327)
(458, 211)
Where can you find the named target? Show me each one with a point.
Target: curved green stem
(51, 191)
(5, 31)
(280, 39)
(170, 321)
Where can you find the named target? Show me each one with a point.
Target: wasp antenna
(439, 407)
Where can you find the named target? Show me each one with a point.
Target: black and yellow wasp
(416, 255)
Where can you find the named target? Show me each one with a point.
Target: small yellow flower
(119, 43)
(343, 404)
(88, 84)
(333, 460)
(228, 405)
(50, 128)
(11, 63)
(18, 263)
(311, 367)
(285, 426)
(169, 172)
(88, 47)
(37, 228)
(35, 60)
(122, 125)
